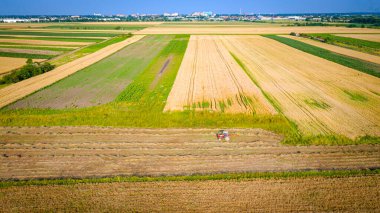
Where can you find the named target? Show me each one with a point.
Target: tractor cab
(223, 135)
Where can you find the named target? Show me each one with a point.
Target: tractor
(223, 135)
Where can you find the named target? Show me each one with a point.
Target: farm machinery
(223, 135)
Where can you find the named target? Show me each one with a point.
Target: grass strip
(196, 177)
(25, 55)
(354, 63)
(58, 34)
(371, 47)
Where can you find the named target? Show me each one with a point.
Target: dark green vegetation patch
(371, 47)
(227, 176)
(355, 96)
(25, 55)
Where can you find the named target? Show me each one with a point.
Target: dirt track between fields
(42, 152)
(340, 50)
(21, 89)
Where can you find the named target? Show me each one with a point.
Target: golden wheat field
(209, 78)
(314, 92)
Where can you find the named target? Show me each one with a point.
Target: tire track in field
(191, 88)
(234, 78)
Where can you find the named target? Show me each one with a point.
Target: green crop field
(360, 65)
(25, 55)
(101, 82)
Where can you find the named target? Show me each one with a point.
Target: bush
(27, 71)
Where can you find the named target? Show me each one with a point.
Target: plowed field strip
(316, 93)
(86, 152)
(28, 86)
(209, 78)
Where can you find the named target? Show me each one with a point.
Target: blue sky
(83, 7)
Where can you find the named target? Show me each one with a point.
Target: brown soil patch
(368, 37)
(250, 30)
(295, 79)
(210, 78)
(21, 89)
(349, 194)
(340, 50)
(30, 51)
(92, 152)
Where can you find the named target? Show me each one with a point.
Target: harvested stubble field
(55, 152)
(337, 49)
(320, 96)
(21, 89)
(209, 78)
(231, 30)
(315, 194)
(7, 64)
(100, 83)
(368, 37)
